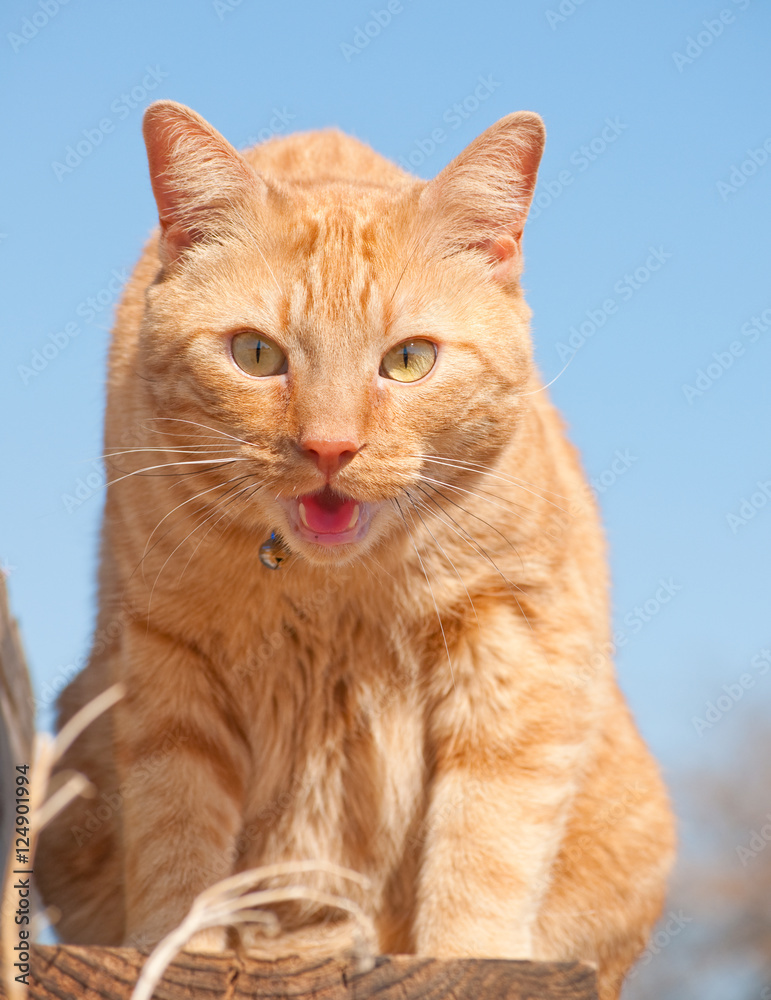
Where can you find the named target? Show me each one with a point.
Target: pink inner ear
(482, 197)
(195, 174)
(504, 253)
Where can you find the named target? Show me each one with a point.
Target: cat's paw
(212, 939)
(341, 939)
(475, 939)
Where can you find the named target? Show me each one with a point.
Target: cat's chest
(336, 727)
(328, 685)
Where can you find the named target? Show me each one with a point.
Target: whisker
(419, 238)
(563, 369)
(471, 513)
(459, 489)
(218, 462)
(184, 502)
(404, 271)
(178, 546)
(381, 568)
(206, 427)
(200, 517)
(485, 469)
(475, 493)
(484, 497)
(417, 504)
(253, 239)
(470, 540)
(256, 487)
(188, 450)
(183, 435)
(430, 588)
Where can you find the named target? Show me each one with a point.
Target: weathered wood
(63, 972)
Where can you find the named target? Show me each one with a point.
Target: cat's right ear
(197, 176)
(481, 199)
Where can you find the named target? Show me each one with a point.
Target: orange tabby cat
(322, 348)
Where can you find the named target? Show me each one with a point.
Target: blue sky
(647, 263)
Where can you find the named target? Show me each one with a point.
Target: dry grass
(230, 902)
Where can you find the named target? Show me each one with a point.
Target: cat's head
(336, 332)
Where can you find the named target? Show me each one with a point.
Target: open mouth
(327, 518)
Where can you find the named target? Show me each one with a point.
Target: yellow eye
(257, 355)
(409, 361)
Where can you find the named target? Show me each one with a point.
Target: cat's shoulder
(322, 157)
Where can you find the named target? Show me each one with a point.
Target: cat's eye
(256, 354)
(409, 361)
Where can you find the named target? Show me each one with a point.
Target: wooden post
(17, 718)
(110, 973)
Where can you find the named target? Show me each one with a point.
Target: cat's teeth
(303, 518)
(354, 517)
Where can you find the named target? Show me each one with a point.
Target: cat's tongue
(327, 513)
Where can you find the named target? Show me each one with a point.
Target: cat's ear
(198, 178)
(481, 199)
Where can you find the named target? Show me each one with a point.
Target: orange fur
(433, 704)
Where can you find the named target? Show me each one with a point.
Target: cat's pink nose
(330, 456)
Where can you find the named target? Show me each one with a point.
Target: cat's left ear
(198, 178)
(481, 199)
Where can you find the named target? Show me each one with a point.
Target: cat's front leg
(182, 768)
(507, 747)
